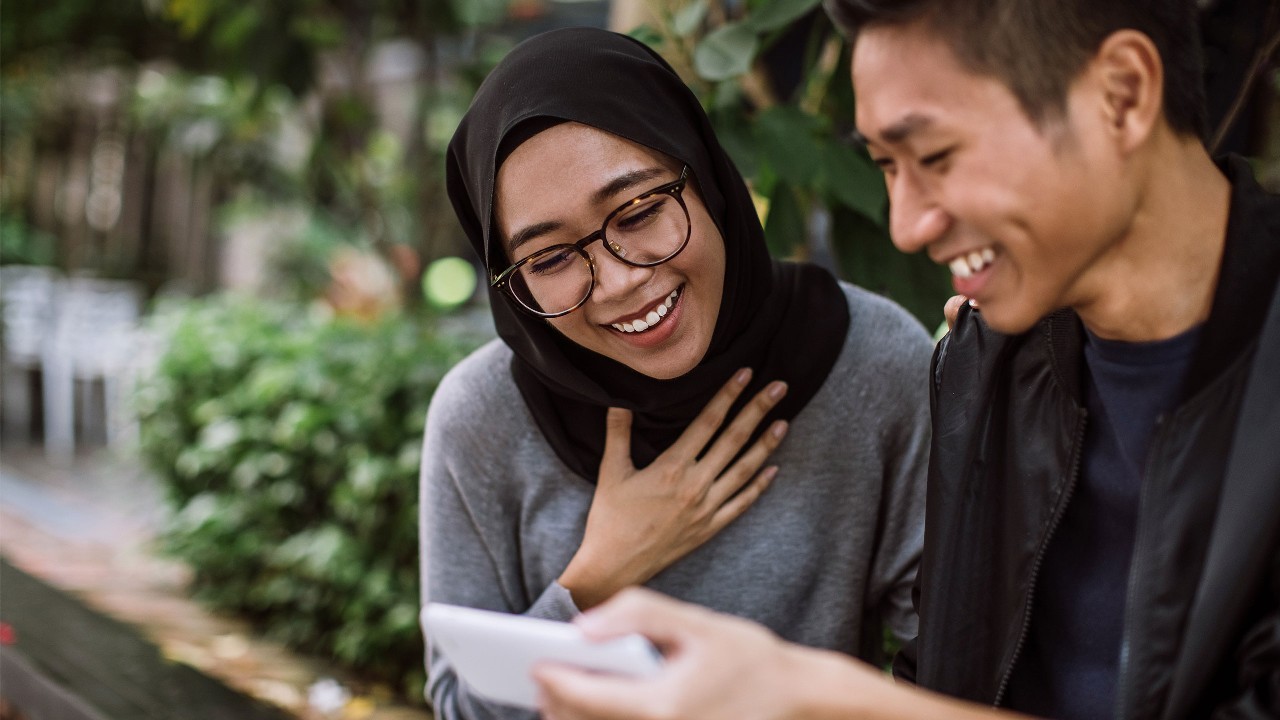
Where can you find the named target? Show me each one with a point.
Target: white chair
(27, 295)
(94, 337)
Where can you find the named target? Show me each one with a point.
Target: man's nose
(916, 219)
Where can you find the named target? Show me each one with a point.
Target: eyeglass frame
(674, 188)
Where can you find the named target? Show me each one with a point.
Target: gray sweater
(824, 558)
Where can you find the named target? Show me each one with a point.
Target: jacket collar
(1246, 529)
(1247, 279)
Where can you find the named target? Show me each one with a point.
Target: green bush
(289, 447)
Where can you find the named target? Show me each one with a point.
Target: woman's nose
(614, 278)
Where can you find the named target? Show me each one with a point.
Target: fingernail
(779, 429)
(743, 376)
(777, 390)
(769, 473)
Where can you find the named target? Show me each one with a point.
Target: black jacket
(1202, 617)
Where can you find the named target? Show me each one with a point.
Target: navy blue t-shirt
(1068, 665)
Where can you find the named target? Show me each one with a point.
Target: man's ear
(1128, 75)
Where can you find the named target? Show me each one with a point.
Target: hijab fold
(786, 321)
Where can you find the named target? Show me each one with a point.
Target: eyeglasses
(645, 231)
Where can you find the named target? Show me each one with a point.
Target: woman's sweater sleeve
(462, 562)
(902, 361)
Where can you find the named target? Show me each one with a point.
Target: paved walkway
(87, 528)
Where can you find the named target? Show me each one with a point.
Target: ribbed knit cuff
(555, 603)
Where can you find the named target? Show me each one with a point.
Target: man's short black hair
(1037, 47)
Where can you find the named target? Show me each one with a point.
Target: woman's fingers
(704, 427)
(736, 435)
(616, 460)
(741, 472)
(638, 527)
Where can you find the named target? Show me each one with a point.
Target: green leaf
(736, 138)
(726, 52)
(191, 14)
(788, 140)
(777, 13)
(647, 35)
(867, 258)
(479, 12)
(851, 180)
(220, 435)
(322, 32)
(727, 98)
(233, 32)
(784, 229)
(689, 18)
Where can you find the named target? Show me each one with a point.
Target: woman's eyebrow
(530, 232)
(626, 181)
(622, 182)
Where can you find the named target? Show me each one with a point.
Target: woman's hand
(641, 521)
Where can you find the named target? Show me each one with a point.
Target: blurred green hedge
(289, 447)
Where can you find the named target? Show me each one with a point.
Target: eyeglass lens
(648, 231)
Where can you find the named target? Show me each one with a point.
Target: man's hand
(952, 309)
(724, 668)
(717, 666)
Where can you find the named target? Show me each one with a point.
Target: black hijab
(786, 321)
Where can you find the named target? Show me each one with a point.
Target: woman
(629, 271)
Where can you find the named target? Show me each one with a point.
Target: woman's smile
(651, 326)
(657, 319)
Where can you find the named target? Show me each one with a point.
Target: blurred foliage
(35, 32)
(289, 446)
(276, 41)
(774, 77)
(340, 107)
(21, 244)
(376, 187)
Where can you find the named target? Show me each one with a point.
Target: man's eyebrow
(895, 133)
(902, 129)
(608, 190)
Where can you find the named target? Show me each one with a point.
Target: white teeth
(652, 318)
(975, 262)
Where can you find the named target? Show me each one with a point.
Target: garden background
(268, 178)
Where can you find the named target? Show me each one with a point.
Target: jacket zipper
(1135, 571)
(1077, 451)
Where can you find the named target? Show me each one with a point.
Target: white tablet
(494, 652)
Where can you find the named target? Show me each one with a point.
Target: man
(1103, 521)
